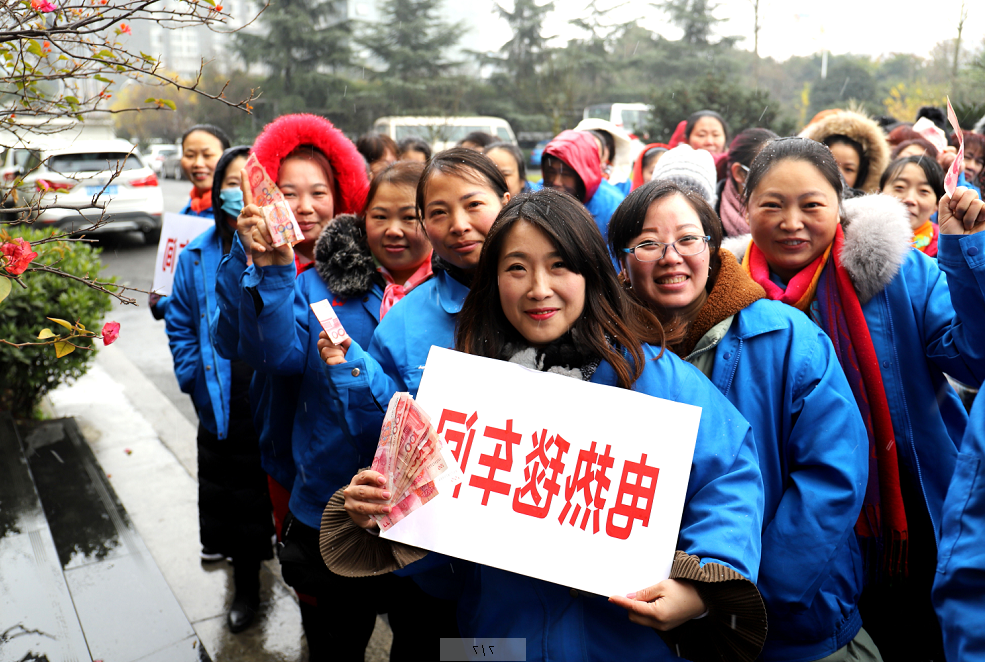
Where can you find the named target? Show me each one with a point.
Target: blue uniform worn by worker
(273, 397)
(960, 581)
(200, 370)
(780, 371)
(279, 335)
(720, 525)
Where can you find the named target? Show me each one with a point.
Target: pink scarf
(733, 212)
(395, 292)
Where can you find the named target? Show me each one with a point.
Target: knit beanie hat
(690, 168)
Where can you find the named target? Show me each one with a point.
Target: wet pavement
(99, 545)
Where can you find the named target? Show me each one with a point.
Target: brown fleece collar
(734, 290)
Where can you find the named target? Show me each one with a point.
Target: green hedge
(28, 373)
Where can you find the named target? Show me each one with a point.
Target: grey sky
(789, 27)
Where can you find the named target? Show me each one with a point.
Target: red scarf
(882, 525)
(201, 200)
(394, 292)
(801, 288)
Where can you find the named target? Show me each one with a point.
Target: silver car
(75, 184)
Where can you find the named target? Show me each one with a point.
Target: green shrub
(28, 373)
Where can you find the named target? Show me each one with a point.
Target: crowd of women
(820, 298)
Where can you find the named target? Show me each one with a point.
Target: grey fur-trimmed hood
(877, 238)
(343, 259)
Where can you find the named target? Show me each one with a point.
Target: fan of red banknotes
(409, 455)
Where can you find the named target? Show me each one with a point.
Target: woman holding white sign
(899, 321)
(810, 437)
(544, 296)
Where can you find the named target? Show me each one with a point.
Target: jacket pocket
(963, 484)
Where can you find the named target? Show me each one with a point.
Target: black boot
(246, 602)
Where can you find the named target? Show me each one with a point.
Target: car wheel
(152, 237)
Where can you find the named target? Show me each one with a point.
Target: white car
(157, 155)
(108, 173)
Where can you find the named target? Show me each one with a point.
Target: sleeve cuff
(269, 278)
(959, 250)
(734, 626)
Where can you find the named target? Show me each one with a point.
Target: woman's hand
(365, 496)
(662, 606)
(961, 213)
(331, 353)
(262, 247)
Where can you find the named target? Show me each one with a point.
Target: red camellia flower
(19, 256)
(124, 28)
(43, 6)
(110, 332)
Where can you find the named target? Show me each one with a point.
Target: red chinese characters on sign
(585, 488)
(456, 438)
(637, 490)
(171, 251)
(528, 499)
(496, 462)
(590, 469)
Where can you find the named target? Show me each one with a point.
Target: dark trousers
(339, 626)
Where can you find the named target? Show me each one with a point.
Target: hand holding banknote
(365, 496)
(331, 353)
(248, 217)
(262, 246)
(961, 212)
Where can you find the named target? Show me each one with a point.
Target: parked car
(15, 161)
(538, 153)
(171, 165)
(108, 172)
(157, 155)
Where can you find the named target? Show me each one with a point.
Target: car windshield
(93, 162)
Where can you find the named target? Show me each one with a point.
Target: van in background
(443, 132)
(633, 118)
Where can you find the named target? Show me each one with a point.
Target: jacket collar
(877, 239)
(451, 293)
(343, 259)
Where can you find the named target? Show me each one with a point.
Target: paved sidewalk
(147, 449)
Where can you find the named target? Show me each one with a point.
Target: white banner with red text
(177, 232)
(567, 481)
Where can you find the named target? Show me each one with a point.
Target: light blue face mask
(232, 201)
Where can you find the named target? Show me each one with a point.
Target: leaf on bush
(170, 104)
(4, 288)
(46, 333)
(63, 348)
(61, 322)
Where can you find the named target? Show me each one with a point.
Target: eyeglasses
(651, 251)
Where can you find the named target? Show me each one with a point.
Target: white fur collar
(877, 237)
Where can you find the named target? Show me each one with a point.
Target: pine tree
(411, 40)
(301, 37)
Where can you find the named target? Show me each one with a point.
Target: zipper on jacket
(735, 365)
(908, 429)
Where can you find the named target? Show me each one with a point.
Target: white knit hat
(690, 168)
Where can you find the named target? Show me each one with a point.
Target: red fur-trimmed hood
(280, 137)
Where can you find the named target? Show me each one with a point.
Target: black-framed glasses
(651, 251)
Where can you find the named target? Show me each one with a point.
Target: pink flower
(124, 28)
(43, 6)
(18, 254)
(110, 332)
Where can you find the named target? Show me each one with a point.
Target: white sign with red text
(176, 233)
(571, 482)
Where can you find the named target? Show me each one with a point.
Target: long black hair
(210, 129)
(611, 315)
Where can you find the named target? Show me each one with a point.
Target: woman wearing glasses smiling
(780, 371)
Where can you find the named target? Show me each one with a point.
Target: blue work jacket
(200, 370)
(932, 310)
(780, 371)
(282, 340)
(721, 523)
(960, 582)
(273, 398)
